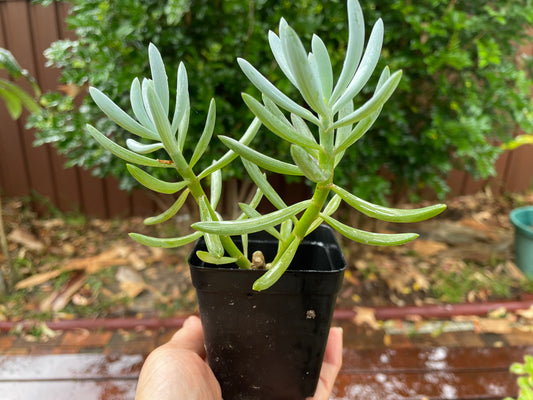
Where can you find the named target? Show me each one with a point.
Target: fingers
(331, 365)
(190, 336)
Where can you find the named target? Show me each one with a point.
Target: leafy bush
(465, 87)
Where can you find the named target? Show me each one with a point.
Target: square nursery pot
(269, 345)
(522, 220)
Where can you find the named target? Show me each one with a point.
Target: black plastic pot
(269, 345)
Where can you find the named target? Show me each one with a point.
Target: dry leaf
(366, 315)
(26, 239)
(130, 281)
(499, 326)
(428, 248)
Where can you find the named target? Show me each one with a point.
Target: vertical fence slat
(93, 195)
(118, 201)
(19, 40)
(520, 172)
(15, 180)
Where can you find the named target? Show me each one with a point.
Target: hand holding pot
(177, 370)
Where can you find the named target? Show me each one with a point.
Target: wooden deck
(388, 373)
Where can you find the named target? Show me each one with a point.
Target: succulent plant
(319, 132)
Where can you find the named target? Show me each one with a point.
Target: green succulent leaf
(159, 76)
(213, 243)
(182, 107)
(166, 243)
(267, 88)
(377, 239)
(367, 66)
(216, 188)
(210, 259)
(345, 135)
(251, 212)
(280, 127)
(357, 133)
(205, 139)
(142, 148)
(251, 225)
(137, 105)
(374, 104)
(262, 183)
(301, 126)
(160, 118)
(231, 155)
(118, 116)
(277, 51)
(157, 185)
(170, 212)
(356, 41)
(308, 165)
(278, 267)
(386, 213)
(302, 72)
(260, 159)
(323, 63)
(121, 152)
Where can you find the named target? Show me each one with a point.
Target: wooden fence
(27, 30)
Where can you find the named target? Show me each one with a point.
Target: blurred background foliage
(466, 85)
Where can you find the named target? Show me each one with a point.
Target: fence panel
(27, 29)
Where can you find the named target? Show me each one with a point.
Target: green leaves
(280, 127)
(308, 165)
(374, 104)
(377, 239)
(365, 69)
(123, 153)
(276, 95)
(260, 159)
(386, 213)
(250, 225)
(166, 243)
(278, 268)
(118, 116)
(157, 185)
(205, 139)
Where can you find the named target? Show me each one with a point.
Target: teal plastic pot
(522, 220)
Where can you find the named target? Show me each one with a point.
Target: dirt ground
(69, 266)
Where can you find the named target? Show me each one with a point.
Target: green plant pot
(522, 220)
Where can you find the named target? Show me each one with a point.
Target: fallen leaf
(527, 314)
(60, 298)
(366, 316)
(428, 248)
(499, 326)
(26, 239)
(130, 281)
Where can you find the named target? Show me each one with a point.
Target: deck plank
(401, 373)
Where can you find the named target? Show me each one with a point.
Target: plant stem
(198, 193)
(322, 190)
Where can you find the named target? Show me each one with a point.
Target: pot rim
(523, 228)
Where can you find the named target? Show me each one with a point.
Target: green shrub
(525, 378)
(465, 83)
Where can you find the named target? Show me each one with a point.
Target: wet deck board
(432, 373)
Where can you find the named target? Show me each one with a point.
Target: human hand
(177, 370)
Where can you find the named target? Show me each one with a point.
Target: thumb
(190, 337)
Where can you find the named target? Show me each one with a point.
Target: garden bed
(72, 267)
